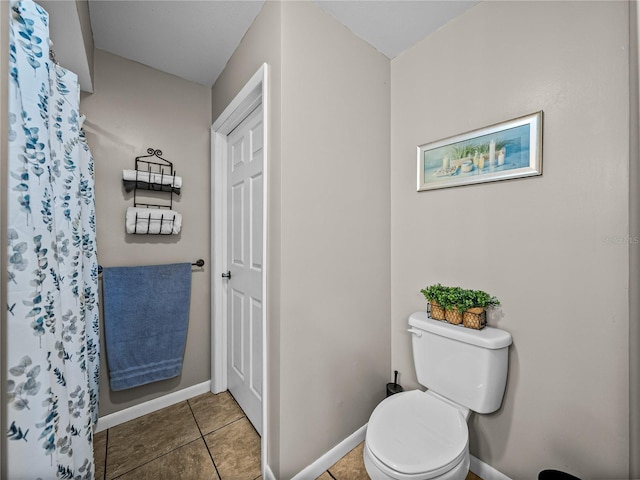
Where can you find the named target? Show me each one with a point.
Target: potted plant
(476, 302)
(453, 304)
(435, 295)
(458, 305)
(444, 302)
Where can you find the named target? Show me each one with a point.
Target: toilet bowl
(417, 436)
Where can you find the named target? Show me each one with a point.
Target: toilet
(418, 435)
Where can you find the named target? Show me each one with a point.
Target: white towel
(149, 221)
(149, 177)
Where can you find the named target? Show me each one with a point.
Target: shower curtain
(53, 343)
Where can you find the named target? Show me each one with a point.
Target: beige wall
(634, 252)
(134, 107)
(554, 248)
(335, 347)
(87, 34)
(329, 226)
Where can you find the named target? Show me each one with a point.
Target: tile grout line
(159, 456)
(154, 459)
(225, 425)
(106, 452)
(205, 442)
(195, 419)
(201, 435)
(244, 415)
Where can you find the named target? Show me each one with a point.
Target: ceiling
(392, 26)
(194, 39)
(190, 39)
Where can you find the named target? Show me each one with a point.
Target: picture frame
(504, 151)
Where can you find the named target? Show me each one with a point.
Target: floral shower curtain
(53, 342)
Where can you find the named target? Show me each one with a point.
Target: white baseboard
(332, 456)
(116, 418)
(477, 466)
(484, 471)
(268, 474)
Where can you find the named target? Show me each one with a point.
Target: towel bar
(197, 263)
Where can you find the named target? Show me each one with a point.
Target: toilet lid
(416, 433)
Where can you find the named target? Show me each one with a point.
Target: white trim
(254, 93)
(268, 474)
(265, 265)
(218, 254)
(243, 103)
(131, 413)
(327, 460)
(484, 471)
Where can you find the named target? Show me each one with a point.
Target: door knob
(227, 275)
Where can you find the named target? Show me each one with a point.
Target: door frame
(254, 93)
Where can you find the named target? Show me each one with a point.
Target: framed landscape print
(511, 149)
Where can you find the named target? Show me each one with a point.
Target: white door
(244, 262)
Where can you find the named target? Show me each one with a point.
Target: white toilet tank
(464, 365)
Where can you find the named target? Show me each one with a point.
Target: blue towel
(146, 314)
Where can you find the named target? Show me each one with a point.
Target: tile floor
(206, 437)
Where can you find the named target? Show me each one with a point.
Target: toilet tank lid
(489, 337)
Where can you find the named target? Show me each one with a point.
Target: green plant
(434, 293)
(500, 144)
(458, 298)
(454, 298)
(462, 150)
(447, 297)
(469, 149)
(483, 299)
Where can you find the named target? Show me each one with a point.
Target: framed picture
(507, 150)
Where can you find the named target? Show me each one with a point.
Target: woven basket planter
(437, 312)
(475, 318)
(453, 316)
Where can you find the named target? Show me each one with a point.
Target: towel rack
(197, 263)
(163, 221)
(154, 182)
(162, 167)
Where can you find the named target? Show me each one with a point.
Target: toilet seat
(417, 434)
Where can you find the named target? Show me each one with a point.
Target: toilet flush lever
(415, 332)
